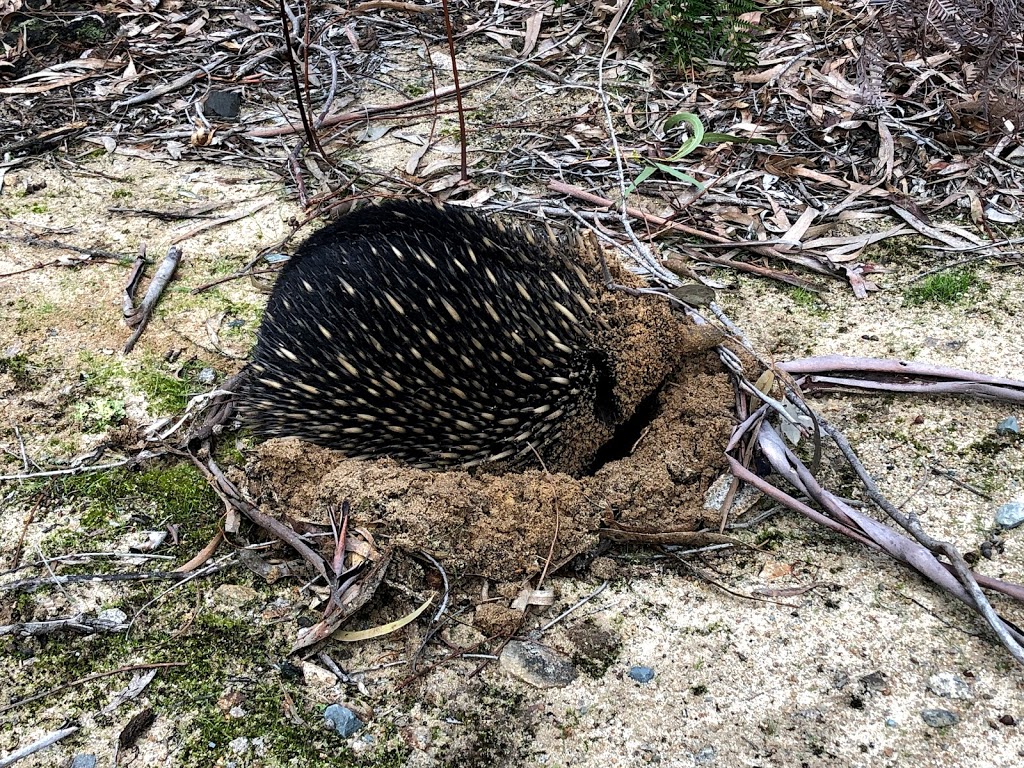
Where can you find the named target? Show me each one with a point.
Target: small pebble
(705, 756)
(1008, 426)
(949, 686)
(1010, 514)
(112, 617)
(641, 674)
(890, 723)
(84, 761)
(536, 664)
(223, 104)
(342, 720)
(874, 682)
(939, 718)
(207, 376)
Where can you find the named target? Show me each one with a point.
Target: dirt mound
(501, 526)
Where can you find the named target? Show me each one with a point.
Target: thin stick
(49, 740)
(458, 90)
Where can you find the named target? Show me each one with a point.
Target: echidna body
(431, 335)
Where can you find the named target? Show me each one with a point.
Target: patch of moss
(227, 454)
(217, 657)
(948, 287)
(904, 251)
(90, 32)
(30, 317)
(238, 657)
(808, 301)
(96, 414)
(991, 445)
(175, 493)
(121, 193)
(711, 629)
(596, 648)
(164, 392)
(21, 369)
(486, 737)
(769, 538)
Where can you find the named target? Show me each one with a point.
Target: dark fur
(401, 330)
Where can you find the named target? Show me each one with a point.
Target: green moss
(90, 33)
(711, 629)
(224, 663)
(166, 494)
(121, 193)
(596, 649)
(901, 252)
(808, 301)
(949, 287)
(217, 657)
(96, 414)
(164, 392)
(991, 445)
(21, 369)
(769, 538)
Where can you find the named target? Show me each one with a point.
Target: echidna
(433, 335)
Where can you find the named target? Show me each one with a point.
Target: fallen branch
(139, 317)
(898, 376)
(918, 550)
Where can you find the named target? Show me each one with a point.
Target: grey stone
(949, 686)
(1010, 514)
(342, 720)
(536, 664)
(223, 104)
(84, 761)
(1008, 426)
(112, 617)
(641, 674)
(939, 718)
(706, 756)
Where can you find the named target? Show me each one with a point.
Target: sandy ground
(832, 665)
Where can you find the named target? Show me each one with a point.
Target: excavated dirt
(503, 526)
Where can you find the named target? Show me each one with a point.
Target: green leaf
(696, 133)
(676, 173)
(644, 175)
